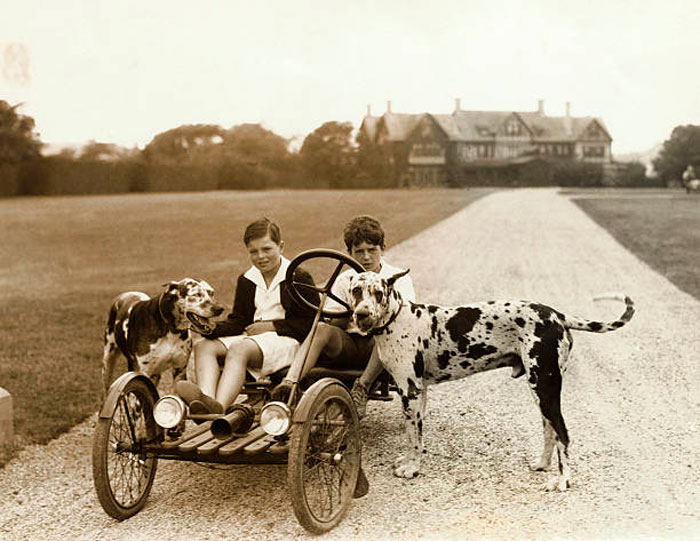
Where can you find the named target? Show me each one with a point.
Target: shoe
(282, 391)
(188, 391)
(359, 394)
(196, 399)
(362, 485)
(206, 405)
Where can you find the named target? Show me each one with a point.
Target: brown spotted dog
(421, 344)
(154, 333)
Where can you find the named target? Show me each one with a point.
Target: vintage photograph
(386, 270)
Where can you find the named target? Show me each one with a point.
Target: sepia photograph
(389, 270)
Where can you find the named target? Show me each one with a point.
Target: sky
(124, 71)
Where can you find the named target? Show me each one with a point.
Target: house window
(513, 127)
(594, 151)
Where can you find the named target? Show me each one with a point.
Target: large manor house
(439, 149)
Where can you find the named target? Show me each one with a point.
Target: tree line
(196, 156)
(245, 156)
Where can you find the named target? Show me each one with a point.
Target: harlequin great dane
(154, 333)
(422, 344)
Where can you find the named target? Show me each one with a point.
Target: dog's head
(373, 299)
(192, 304)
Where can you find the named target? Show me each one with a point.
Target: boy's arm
(242, 313)
(298, 319)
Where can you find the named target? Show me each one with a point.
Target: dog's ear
(171, 285)
(392, 279)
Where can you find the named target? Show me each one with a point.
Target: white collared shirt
(268, 301)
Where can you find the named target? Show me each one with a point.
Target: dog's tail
(581, 324)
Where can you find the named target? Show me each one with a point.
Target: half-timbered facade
(433, 149)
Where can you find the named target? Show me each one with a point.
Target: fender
(301, 412)
(116, 389)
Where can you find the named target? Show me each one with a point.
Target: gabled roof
(484, 125)
(369, 124)
(400, 125)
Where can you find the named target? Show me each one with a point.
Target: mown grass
(661, 227)
(65, 259)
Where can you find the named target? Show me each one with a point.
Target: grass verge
(662, 228)
(66, 258)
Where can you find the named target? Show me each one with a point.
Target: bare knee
(208, 347)
(328, 337)
(246, 351)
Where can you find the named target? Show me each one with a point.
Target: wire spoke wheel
(324, 460)
(122, 472)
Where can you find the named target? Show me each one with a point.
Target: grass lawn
(65, 259)
(661, 227)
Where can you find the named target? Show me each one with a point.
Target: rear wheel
(324, 460)
(122, 472)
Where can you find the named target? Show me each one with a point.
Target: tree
(96, 151)
(328, 156)
(18, 140)
(185, 144)
(254, 144)
(253, 157)
(373, 164)
(681, 150)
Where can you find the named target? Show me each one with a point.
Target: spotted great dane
(154, 333)
(422, 344)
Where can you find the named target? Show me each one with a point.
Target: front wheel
(122, 472)
(324, 460)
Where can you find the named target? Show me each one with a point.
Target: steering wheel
(296, 287)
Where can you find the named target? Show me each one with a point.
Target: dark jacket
(296, 323)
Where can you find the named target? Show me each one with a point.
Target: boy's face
(368, 255)
(265, 254)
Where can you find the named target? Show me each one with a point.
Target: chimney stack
(458, 104)
(388, 106)
(567, 119)
(540, 107)
(369, 110)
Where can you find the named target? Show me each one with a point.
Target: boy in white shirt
(339, 341)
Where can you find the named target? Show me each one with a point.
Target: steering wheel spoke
(303, 285)
(296, 287)
(338, 300)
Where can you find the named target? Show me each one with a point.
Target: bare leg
(206, 354)
(232, 378)
(327, 339)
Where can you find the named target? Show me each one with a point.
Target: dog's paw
(406, 467)
(556, 484)
(540, 466)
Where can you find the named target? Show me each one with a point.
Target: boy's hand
(259, 327)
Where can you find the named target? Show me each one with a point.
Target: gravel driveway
(630, 400)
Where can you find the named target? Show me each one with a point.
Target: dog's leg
(413, 399)
(547, 391)
(109, 359)
(549, 438)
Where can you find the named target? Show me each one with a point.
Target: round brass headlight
(169, 411)
(275, 418)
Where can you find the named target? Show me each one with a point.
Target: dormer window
(513, 127)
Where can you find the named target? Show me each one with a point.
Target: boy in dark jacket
(262, 333)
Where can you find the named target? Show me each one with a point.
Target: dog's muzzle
(201, 324)
(363, 320)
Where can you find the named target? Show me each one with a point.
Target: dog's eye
(379, 295)
(356, 292)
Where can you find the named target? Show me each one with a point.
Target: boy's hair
(262, 228)
(363, 229)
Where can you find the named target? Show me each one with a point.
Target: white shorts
(277, 351)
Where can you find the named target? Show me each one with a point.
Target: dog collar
(383, 328)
